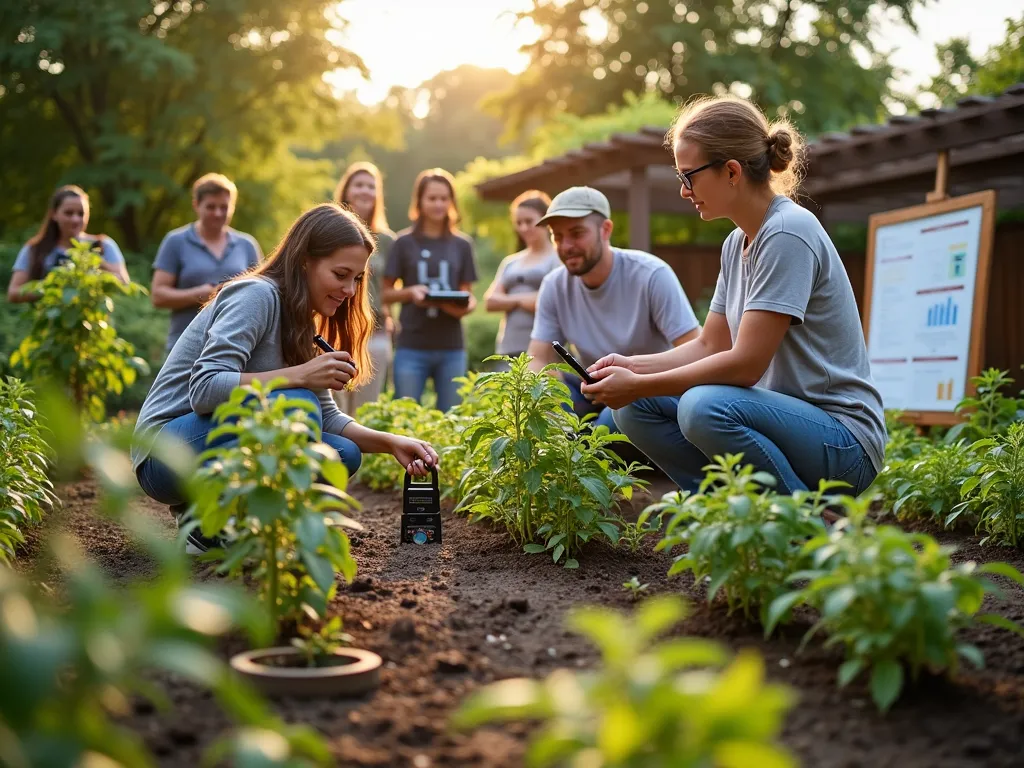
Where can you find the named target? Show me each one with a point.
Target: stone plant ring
(283, 671)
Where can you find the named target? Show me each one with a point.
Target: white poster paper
(921, 308)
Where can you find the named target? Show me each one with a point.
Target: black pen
(321, 342)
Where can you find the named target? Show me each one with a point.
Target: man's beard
(589, 261)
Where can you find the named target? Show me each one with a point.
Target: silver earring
(731, 184)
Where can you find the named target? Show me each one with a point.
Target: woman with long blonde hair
(260, 326)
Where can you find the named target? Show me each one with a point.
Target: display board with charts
(924, 308)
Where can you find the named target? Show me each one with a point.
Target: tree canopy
(813, 60)
(134, 99)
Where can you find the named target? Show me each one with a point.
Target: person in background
(431, 255)
(194, 259)
(362, 190)
(602, 298)
(515, 285)
(67, 218)
(780, 370)
(260, 326)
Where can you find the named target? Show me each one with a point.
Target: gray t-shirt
(793, 268)
(441, 264)
(109, 252)
(240, 332)
(184, 254)
(517, 277)
(639, 310)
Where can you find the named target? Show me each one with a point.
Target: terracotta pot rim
(249, 663)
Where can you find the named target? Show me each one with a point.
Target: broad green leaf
(310, 530)
(848, 670)
(598, 490)
(620, 732)
(747, 754)
(266, 504)
(334, 472)
(779, 608)
(886, 683)
(838, 601)
(1003, 569)
(658, 614)
(320, 570)
(534, 549)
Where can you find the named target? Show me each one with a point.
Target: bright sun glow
(405, 42)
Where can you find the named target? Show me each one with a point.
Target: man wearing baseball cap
(603, 299)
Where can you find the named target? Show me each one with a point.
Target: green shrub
(988, 412)
(741, 536)
(891, 599)
(263, 496)
(680, 702)
(71, 341)
(926, 485)
(26, 492)
(994, 494)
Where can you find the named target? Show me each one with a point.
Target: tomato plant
(989, 412)
(927, 484)
(262, 493)
(72, 341)
(26, 492)
(994, 494)
(680, 702)
(890, 598)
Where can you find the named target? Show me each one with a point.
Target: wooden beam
(639, 209)
(941, 179)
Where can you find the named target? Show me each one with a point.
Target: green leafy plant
(317, 643)
(537, 469)
(72, 341)
(262, 494)
(680, 702)
(927, 485)
(741, 536)
(26, 492)
(634, 587)
(891, 599)
(72, 661)
(988, 412)
(994, 494)
(633, 534)
(904, 440)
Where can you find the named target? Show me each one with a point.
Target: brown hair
(730, 128)
(451, 220)
(46, 239)
(378, 220)
(533, 199)
(316, 234)
(213, 184)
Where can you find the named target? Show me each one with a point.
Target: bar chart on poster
(927, 268)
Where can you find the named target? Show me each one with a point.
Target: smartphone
(573, 362)
(321, 342)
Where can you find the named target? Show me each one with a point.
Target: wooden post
(639, 209)
(941, 179)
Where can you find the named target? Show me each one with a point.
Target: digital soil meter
(421, 510)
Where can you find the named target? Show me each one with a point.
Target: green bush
(994, 494)
(926, 485)
(680, 702)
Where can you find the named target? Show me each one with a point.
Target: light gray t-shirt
(108, 249)
(184, 254)
(793, 268)
(240, 332)
(517, 277)
(639, 310)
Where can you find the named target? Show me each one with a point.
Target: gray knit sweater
(240, 332)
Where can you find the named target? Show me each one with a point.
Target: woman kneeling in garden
(780, 370)
(260, 326)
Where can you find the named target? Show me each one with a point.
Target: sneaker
(195, 542)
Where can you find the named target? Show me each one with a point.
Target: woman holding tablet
(780, 370)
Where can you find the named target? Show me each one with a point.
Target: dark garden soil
(449, 618)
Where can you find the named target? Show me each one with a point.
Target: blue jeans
(582, 406)
(412, 368)
(161, 484)
(789, 438)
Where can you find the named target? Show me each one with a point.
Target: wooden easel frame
(987, 201)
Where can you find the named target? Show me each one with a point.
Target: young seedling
(634, 587)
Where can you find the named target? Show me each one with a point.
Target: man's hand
(615, 387)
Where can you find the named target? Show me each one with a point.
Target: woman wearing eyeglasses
(780, 370)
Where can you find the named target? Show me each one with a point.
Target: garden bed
(448, 619)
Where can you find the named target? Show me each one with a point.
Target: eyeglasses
(686, 177)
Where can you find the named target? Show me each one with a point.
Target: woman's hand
(418, 295)
(417, 456)
(616, 386)
(331, 370)
(614, 360)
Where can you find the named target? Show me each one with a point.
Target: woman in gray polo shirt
(194, 259)
(517, 281)
(67, 217)
(780, 371)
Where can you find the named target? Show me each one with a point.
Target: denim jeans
(162, 485)
(789, 438)
(412, 368)
(582, 406)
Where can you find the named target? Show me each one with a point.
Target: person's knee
(702, 411)
(349, 452)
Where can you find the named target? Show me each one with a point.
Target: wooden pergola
(978, 144)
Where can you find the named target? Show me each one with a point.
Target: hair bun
(780, 149)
